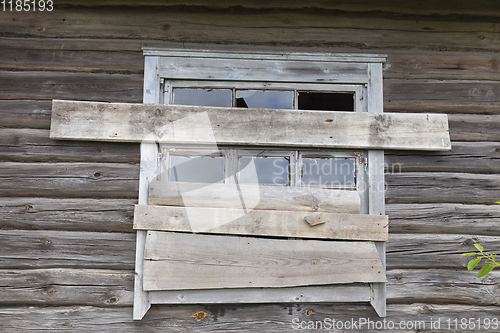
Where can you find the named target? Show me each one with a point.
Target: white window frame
(358, 73)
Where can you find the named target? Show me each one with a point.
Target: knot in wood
(200, 315)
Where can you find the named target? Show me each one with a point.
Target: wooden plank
(444, 219)
(311, 294)
(85, 86)
(242, 262)
(29, 249)
(115, 180)
(291, 28)
(114, 288)
(176, 124)
(241, 318)
(63, 286)
(257, 197)
(25, 113)
(67, 214)
(148, 172)
(261, 222)
(422, 187)
(413, 250)
(34, 145)
(197, 67)
(467, 127)
(471, 157)
(452, 96)
(484, 8)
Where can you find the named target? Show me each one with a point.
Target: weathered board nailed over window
(262, 175)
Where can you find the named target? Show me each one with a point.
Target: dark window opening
(326, 101)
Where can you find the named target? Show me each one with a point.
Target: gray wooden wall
(66, 241)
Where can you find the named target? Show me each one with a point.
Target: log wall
(67, 246)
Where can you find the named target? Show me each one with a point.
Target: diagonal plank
(273, 223)
(176, 261)
(181, 124)
(254, 197)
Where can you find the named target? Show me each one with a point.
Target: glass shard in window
(199, 169)
(326, 101)
(205, 97)
(269, 170)
(328, 172)
(269, 99)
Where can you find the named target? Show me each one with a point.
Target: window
(293, 176)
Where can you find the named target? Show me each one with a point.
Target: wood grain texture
(67, 214)
(413, 250)
(125, 56)
(118, 180)
(483, 7)
(62, 249)
(434, 187)
(317, 28)
(452, 96)
(468, 127)
(179, 124)
(256, 197)
(25, 113)
(274, 223)
(84, 86)
(65, 286)
(112, 288)
(34, 145)
(471, 157)
(174, 261)
(250, 318)
(444, 219)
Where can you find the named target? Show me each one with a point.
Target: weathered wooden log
(34, 145)
(67, 214)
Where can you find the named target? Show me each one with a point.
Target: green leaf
(468, 253)
(479, 247)
(473, 263)
(485, 270)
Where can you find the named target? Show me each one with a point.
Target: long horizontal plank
(471, 157)
(25, 249)
(262, 222)
(63, 286)
(256, 197)
(57, 249)
(239, 318)
(299, 28)
(435, 250)
(310, 294)
(434, 187)
(444, 219)
(25, 113)
(452, 96)
(484, 8)
(125, 56)
(115, 180)
(176, 261)
(111, 288)
(471, 127)
(67, 214)
(180, 124)
(34, 145)
(86, 86)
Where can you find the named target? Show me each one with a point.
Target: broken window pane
(205, 97)
(199, 169)
(326, 101)
(264, 170)
(328, 172)
(270, 99)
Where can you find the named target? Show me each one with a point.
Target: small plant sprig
(490, 261)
